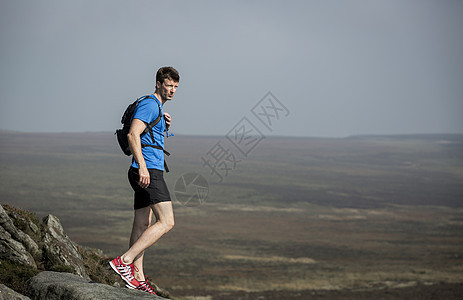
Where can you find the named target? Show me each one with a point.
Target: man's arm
(136, 129)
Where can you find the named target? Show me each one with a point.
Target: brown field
(298, 218)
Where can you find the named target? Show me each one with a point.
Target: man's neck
(159, 98)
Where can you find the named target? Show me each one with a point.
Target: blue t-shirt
(147, 111)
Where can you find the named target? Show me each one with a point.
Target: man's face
(167, 89)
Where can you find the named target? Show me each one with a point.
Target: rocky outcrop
(53, 285)
(56, 251)
(8, 294)
(15, 245)
(54, 267)
(59, 249)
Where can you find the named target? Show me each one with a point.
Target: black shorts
(156, 192)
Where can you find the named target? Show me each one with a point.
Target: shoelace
(133, 268)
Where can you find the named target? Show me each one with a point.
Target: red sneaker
(145, 287)
(125, 271)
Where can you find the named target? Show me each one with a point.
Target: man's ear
(158, 84)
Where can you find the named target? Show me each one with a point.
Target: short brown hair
(167, 73)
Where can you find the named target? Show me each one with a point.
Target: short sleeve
(146, 111)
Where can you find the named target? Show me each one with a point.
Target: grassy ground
(299, 216)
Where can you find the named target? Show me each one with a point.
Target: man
(146, 178)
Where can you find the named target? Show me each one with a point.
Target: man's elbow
(131, 138)
(131, 135)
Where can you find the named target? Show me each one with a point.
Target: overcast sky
(339, 68)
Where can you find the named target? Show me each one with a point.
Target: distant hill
(454, 137)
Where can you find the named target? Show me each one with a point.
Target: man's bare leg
(164, 222)
(141, 221)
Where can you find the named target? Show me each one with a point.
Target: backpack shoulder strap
(153, 123)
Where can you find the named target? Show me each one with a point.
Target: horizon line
(266, 136)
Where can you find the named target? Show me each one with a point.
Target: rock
(8, 294)
(14, 251)
(53, 285)
(19, 234)
(59, 249)
(14, 243)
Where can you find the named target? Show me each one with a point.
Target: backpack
(126, 121)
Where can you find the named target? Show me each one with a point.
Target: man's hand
(144, 180)
(168, 120)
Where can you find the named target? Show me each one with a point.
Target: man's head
(167, 79)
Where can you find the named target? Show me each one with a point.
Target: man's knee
(169, 223)
(164, 215)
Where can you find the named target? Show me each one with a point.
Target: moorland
(306, 218)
